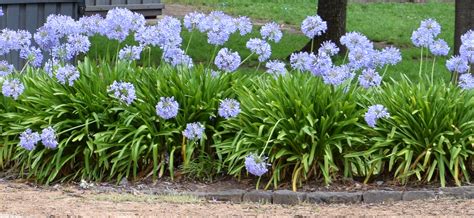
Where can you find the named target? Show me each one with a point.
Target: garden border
(288, 197)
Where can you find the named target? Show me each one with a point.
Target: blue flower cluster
(255, 165)
(276, 68)
(229, 108)
(227, 61)
(123, 91)
(193, 131)
(374, 113)
(12, 88)
(29, 139)
(167, 108)
(261, 48)
(461, 63)
(313, 26)
(67, 74)
(6, 68)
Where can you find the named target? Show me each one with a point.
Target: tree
(464, 20)
(334, 13)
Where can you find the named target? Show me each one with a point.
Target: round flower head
(243, 24)
(300, 61)
(32, 55)
(229, 108)
(91, 25)
(466, 81)
(467, 47)
(118, 23)
(67, 75)
(177, 57)
(431, 26)
(320, 65)
(6, 68)
(29, 139)
(374, 113)
(361, 58)
(219, 26)
(271, 31)
(390, 55)
(422, 38)
(328, 48)
(12, 88)
(261, 48)
(78, 44)
(255, 165)
(62, 52)
(457, 64)
(167, 108)
(336, 75)
(276, 68)
(46, 37)
(193, 131)
(48, 138)
(192, 20)
(130, 53)
(439, 48)
(354, 40)
(369, 78)
(313, 26)
(123, 91)
(227, 61)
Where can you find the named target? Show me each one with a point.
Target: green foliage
(307, 125)
(430, 132)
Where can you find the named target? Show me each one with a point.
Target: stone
(258, 196)
(457, 192)
(334, 197)
(418, 195)
(380, 196)
(233, 195)
(288, 197)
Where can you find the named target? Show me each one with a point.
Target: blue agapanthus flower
(227, 61)
(466, 81)
(67, 74)
(276, 68)
(123, 91)
(229, 108)
(369, 78)
(193, 131)
(390, 55)
(192, 20)
(46, 37)
(422, 38)
(177, 57)
(261, 48)
(439, 48)
(29, 139)
(271, 31)
(337, 75)
(466, 50)
(62, 52)
(243, 24)
(6, 68)
(219, 26)
(431, 27)
(130, 53)
(12, 88)
(361, 58)
(354, 40)
(328, 48)
(374, 113)
(32, 55)
(167, 108)
(256, 165)
(118, 24)
(457, 64)
(300, 61)
(91, 25)
(48, 138)
(313, 26)
(78, 44)
(319, 65)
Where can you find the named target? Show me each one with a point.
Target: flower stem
(212, 57)
(432, 69)
(258, 66)
(269, 137)
(246, 59)
(189, 42)
(149, 56)
(421, 63)
(312, 45)
(345, 57)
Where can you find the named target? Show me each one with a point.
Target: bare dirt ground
(20, 199)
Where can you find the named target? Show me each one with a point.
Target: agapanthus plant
(12, 88)
(6, 68)
(229, 108)
(167, 108)
(67, 74)
(271, 31)
(29, 139)
(48, 138)
(227, 61)
(194, 131)
(374, 113)
(256, 165)
(261, 48)
(276, 68)
(123, 91)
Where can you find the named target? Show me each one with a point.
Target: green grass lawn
(387, 23)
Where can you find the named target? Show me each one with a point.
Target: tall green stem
(189, 42)
(432, 69)
(421, 63)
(212, 57)
(269, 137)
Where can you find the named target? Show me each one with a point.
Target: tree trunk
(464, 21)
(334, 13)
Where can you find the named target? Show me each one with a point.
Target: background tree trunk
(464, 21)
(334, 13)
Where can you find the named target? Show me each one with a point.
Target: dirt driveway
(22, 199)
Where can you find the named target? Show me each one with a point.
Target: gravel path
(22, 199)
